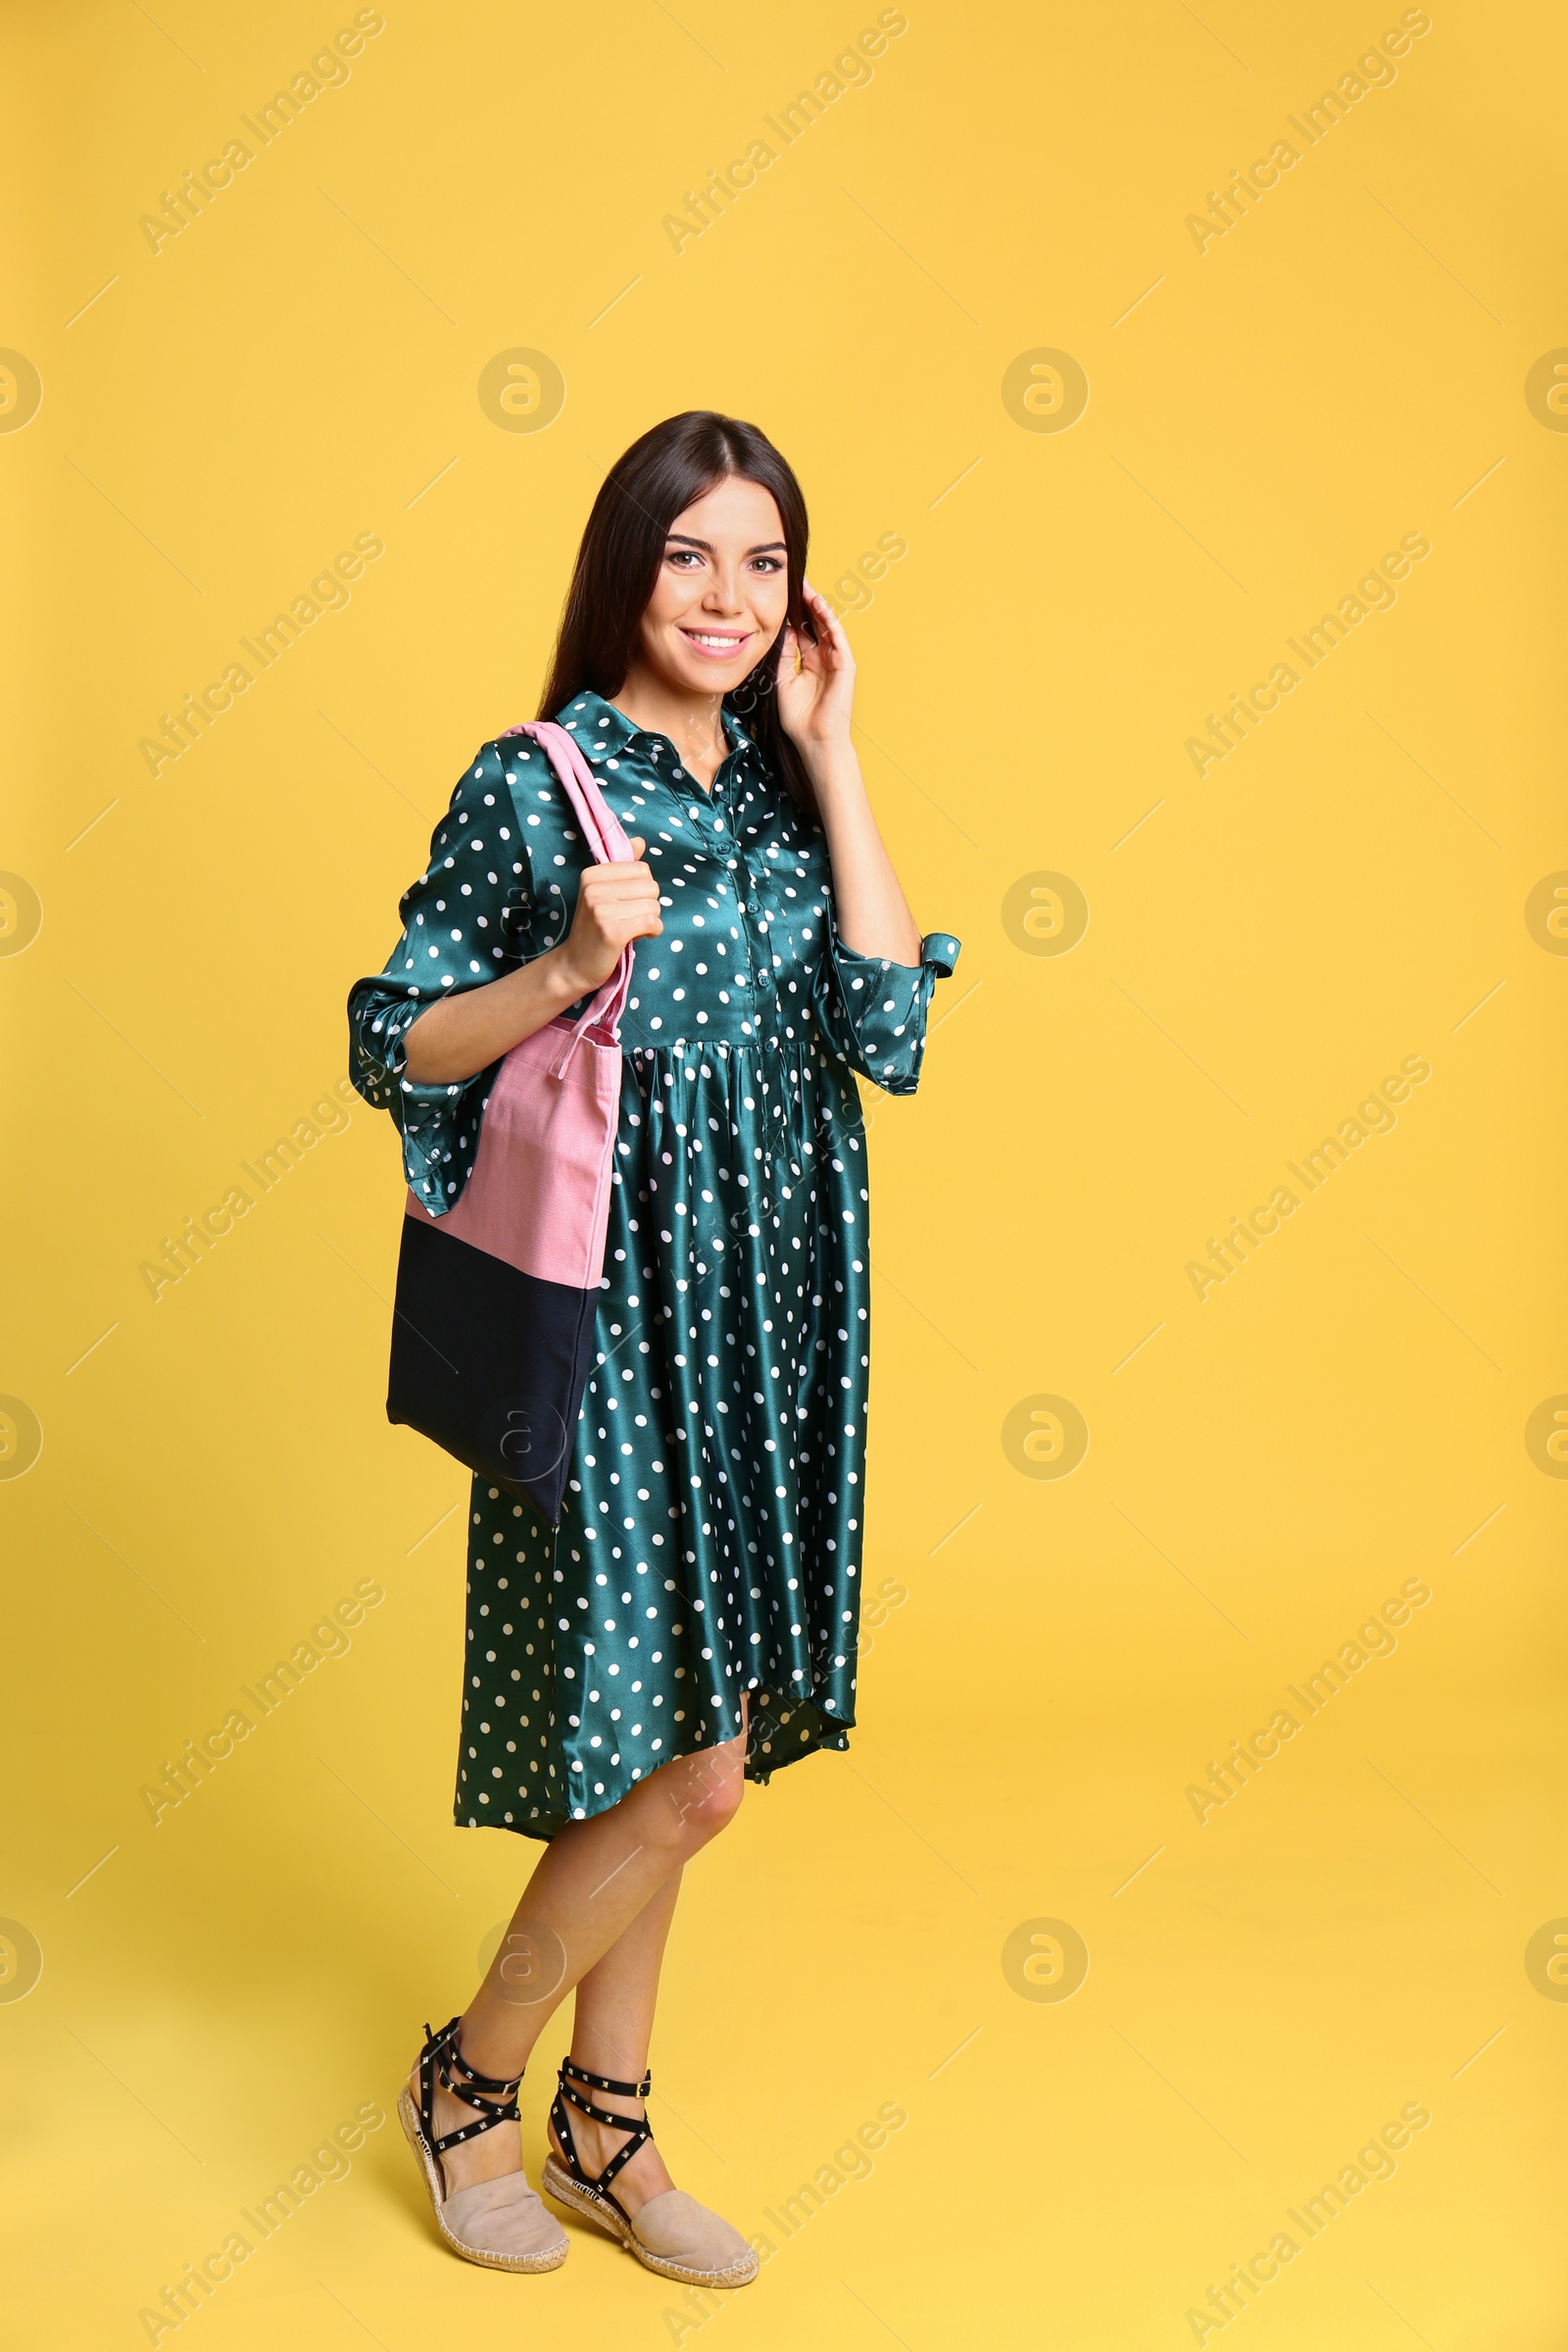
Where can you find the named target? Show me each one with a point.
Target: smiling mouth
(717, 643)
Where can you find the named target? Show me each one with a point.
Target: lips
(717, 645)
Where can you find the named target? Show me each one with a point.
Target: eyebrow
(766, 547)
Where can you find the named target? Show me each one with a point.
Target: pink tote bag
(494, 1322)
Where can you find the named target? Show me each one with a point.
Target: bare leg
(610, 2036)
(592, 1880)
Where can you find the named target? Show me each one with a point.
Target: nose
(722, 597)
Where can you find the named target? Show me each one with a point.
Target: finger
(818, 621)
(614, 914)
(820, 607)
(643, 926)
(829, 620)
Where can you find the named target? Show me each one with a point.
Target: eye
(769, 564)
(685, 556)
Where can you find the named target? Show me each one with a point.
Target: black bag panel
(488, 1362)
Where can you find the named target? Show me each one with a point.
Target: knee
(723, 1787)
(703, 1793)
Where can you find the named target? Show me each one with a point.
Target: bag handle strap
(607, 842)
(599, 820)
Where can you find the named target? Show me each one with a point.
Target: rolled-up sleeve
(873, 1012)
(467, 920)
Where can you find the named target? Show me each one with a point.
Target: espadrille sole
(558, 2183)
(409, 2118)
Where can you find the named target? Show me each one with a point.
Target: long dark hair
(659, 478)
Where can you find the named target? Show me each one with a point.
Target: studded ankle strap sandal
(670, 2233)
(500, 2222)
(569, 2093)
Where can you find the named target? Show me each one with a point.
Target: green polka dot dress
(710, 1539)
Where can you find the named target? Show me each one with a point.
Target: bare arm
(815, 687)
(465, 1032)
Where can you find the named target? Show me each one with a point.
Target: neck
(690, 718)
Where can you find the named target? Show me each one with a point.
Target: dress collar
(605, 733)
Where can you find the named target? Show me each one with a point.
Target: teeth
(724, 644)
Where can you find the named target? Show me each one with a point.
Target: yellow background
(1265, 419)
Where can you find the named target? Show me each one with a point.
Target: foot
(666, 2230)
(484, 2207)
(642, 2177)
(488, 2156)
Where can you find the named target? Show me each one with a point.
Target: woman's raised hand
(614, 903)
(817, 683)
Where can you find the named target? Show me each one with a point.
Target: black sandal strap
(506, 2088)
(639, 2126)
(626, 2090)
(442, 2059)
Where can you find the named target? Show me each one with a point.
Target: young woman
(693, 1620)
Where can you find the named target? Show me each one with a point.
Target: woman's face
(722, 588)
